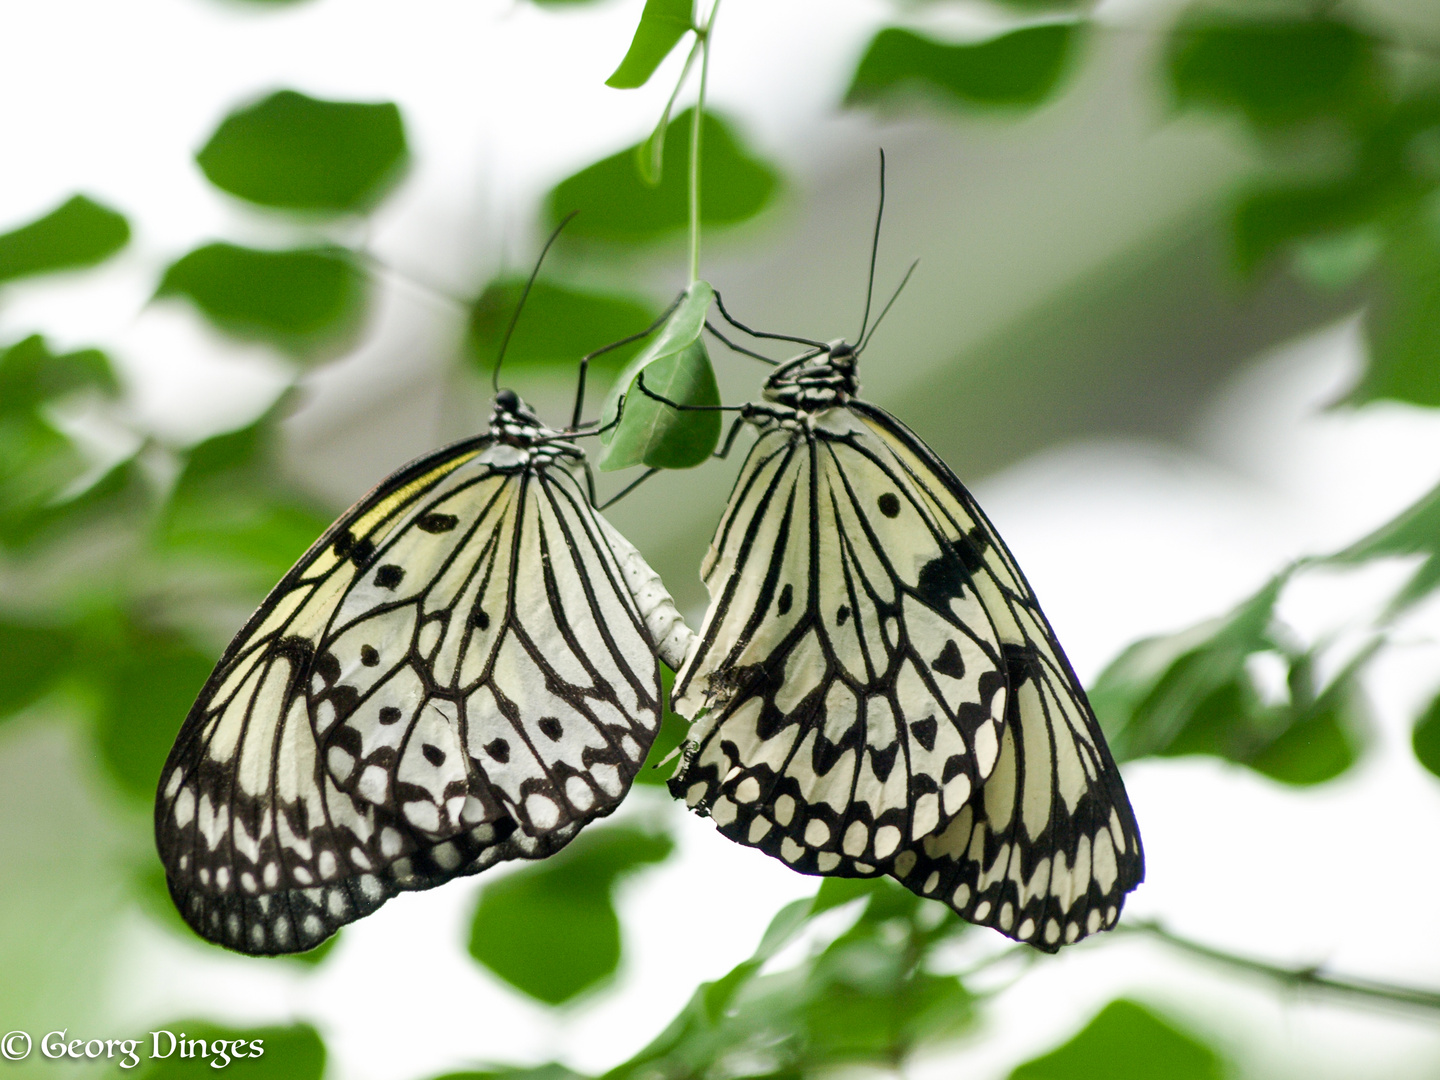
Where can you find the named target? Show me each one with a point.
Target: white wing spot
(816, 833)
(904, 863)
(790, 851)
(856, 837)
(887, 839)
(748, 790)
(827, 861)
(758, 828)
(423, 815)
(784, 809)
(724, 811)
(1026, 929)
(961, 897)
(185, 808)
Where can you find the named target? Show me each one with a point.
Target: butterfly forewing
(849, 673)
(455, 674)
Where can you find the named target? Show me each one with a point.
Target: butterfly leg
(585, 360)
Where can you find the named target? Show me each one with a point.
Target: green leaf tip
(676, 367)
(1127, 1041)
(294, 152)
(662, 24)
(77, 233)
(1021, 68)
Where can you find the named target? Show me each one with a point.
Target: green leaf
(1403, 323)
(617, 206)
(551, 930)
(1414, 531)
(231, 504)
(298, 301)
(1127, 1041)
(300, 153)
(1020, 68)
(662, 24)
(560, 324)
(31, 375)
(146, 681)
(1195, 693)
(286, 1053)
(35, 656)
(1425, 739)
(673, 729)
(677, 368)
(1269, 218)
(78, 232)
(552, 1070)
(122, 497)
(1275, 72)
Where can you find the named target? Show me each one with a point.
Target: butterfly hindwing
(457, 673)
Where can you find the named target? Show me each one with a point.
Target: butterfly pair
(463, 670)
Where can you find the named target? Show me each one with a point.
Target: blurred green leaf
(560, 324)
(298, 301)
(676, 367)
(1339, 260)
(617, 206)
(1414, 531)
(35, 657)
(1195, 693)
(146, 680)
(231, 503)
(1127, 1041)
(1403, 323)
(300, 153)
(78, 232)
(30, 374)
(1022, 67)
(286, 1053)
(122, 495)
(551, 930)
(1425, 739)
(1275, 71)
(1269, 218)
(662, 24)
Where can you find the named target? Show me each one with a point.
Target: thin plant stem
(1300, 978)
(695, 126)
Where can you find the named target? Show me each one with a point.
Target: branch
(1300, 978)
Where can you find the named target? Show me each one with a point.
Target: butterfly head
(816, 380)
(513, 421)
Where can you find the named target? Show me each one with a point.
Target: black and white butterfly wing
(1048, 847)
(957, 678)
(848, 684)
(455, 674)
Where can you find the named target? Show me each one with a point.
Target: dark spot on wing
(882, 761)
(363, 552)
(433, 754)
(437, 523)
(328, 667)
(369, 656)
(954, 766)
(479, 619)
(344, 541)
(949, 662)
(842, 615)
(499, 750)
(942, 579)
(924, 732)
(1020, 664)
(889, 504)
(551, 728)
(787, 597)
(389, 576)
(389, 714)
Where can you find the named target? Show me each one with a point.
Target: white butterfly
(461, 670)
(875, 689)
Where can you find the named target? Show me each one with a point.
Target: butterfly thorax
(521, 440)
(815, 381)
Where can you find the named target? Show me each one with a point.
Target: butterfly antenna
(520, 305)
(874, 251)
(895, 296)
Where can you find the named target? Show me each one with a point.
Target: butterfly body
(462, 670)
(875, 687)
